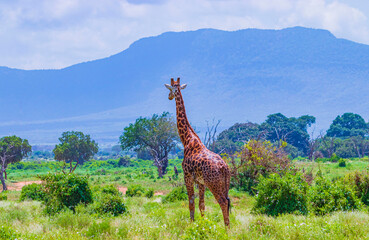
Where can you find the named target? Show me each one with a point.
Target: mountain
(234, 76)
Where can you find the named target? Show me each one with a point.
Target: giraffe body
(200, 165)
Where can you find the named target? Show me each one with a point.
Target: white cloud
(58, 33)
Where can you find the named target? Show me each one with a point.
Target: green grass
(152, 219)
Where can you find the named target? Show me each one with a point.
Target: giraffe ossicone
(200, 165)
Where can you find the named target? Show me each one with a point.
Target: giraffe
(200, 165)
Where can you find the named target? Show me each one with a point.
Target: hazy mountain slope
(233, 76)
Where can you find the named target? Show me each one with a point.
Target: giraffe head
(174, 88)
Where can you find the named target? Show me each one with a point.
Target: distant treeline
(347, 136)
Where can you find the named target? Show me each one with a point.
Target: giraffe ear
(183, 86)
(168, 86)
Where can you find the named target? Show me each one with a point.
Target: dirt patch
(122, 189)
(18, 185)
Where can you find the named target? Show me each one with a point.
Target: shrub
(334, 158)
(342, 163)
(32, 191)
(124, 162)
(109, 189)
(326, 197)
(359, 181)
(65, 190)
(177, 194)
(139, 191)
(3, 196)
(149, 193)
(109, 204)
(256, 159)
(282, 194)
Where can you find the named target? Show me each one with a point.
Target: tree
(348, 125)
(313, 145)
(292, 130)
(209, 139)
(234, 138)
(75, 147)
(157, 134)
(12, 149)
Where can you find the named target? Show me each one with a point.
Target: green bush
(342, 163)
(65, 190)
(256, 159)
(32, 191)
(108, 189)
(139, 191)
(109, 204)
(3, 196)
(334, 158)
(359, 181)
(282, 194)
(326, 197)
(177, 194)
(149, 193)
(124, 162)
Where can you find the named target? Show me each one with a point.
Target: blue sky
(42, 34)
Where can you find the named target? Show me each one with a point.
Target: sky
(53, 34)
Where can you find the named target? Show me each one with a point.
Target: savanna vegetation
(285, 184)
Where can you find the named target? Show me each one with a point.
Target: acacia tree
(12, 149)
(75, 147)
(157, 134)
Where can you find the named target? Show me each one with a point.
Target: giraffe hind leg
(202, 198)
(191, 195)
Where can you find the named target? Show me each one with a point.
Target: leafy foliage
(75, 147)
(33, 191)
(359, 181)
(257, 158)
(157, 134)
(327, 197)
(282, 194)
(342, 163)
(12, 150)
(3, 196)
(232, 139)
(109, 204)
(177, 194)
(347, 125)
(139, 191)
(291, 130)
(124, 162)
(65, 190)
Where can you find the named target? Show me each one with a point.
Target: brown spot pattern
(200, 165)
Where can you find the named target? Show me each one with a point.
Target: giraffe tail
(227, 183)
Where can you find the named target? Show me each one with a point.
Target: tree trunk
(3, 181)
(72, 170)
(160, 171)
(6, 175)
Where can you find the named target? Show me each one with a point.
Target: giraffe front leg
(201, 198)
(191, 195)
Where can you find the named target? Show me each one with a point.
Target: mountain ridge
(232, 75)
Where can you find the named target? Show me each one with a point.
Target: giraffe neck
(185, 131)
